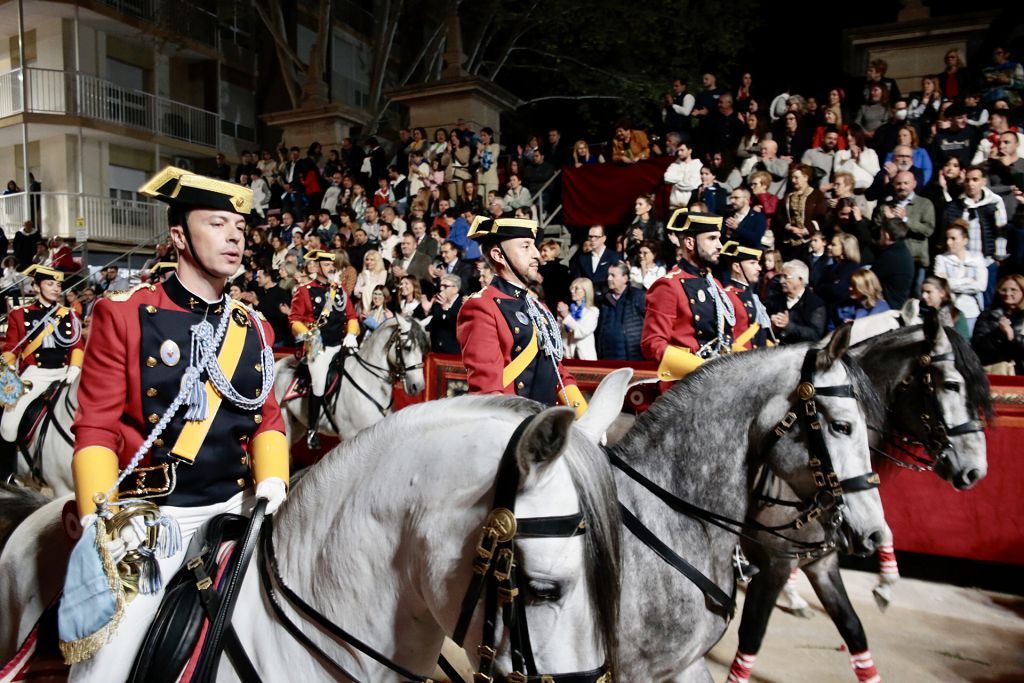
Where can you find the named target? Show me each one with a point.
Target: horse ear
(606, 404)
(425, 323)
(544, 439)
(839, 343)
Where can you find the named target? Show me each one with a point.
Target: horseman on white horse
(43, 346)
(322, 316)
(177, 395)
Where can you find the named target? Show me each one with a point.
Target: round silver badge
(170, 354)
(521, 317)
(701, 296)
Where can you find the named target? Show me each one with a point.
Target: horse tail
(16, 504)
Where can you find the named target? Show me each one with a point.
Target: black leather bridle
(496, 578)
(828, 497)
(396, 369)
(936, 442)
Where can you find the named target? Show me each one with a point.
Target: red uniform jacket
(308, 301)
(681, 312)
(137, 352)
(30, 351)
(494, 330)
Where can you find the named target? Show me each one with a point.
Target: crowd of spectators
(860, 200)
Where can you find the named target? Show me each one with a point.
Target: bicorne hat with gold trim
(734, 251)
(491, 230)
(684, 222)
(159, 269)
(40, 273)
(178, 187)
(319, 255)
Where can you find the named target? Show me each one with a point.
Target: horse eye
(843, 428)
(547, 591)
(952, 386)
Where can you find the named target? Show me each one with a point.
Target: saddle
(178, 634)
(35, 412)
(299, 387)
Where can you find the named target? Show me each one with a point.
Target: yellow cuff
(677, 363)
(95, 471)
(576, 400)
(352, 326)
(77, 356)
(10, 359)
(270, 456)
(299, 328)
(740, 343)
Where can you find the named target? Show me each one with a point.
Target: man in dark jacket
(593, 263)
(444, 313)
(895, 264)
(797, 313)
(621, 324)
(269, 299)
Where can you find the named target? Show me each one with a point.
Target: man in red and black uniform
(743, 266)
(324, 318)
(43, 345)
(511, 343)
(690, 317)
(177, 389)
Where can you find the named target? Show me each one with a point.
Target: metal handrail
(538, 198)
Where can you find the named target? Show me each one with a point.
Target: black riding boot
(8, 460)
(313, 419)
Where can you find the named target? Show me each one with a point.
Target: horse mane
(969, 366)
(864, 391)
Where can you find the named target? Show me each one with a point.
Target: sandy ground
(930, 632)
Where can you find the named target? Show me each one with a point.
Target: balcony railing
(105, 219)
(77, 94)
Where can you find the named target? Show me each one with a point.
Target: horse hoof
(883, 596)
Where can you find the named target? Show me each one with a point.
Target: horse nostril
(876, 539)
(970, 478)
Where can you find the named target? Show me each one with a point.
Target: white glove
(350, 341)
(73, 372)
(273, 490)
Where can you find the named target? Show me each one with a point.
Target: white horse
(394, 351)
(379, 539)
(51, 445)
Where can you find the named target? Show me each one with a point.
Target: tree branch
(574, 60)
(285, 55)
(510, 45)
(432, 41)
(572, 97)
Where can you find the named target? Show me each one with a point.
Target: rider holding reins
(43, 345)
(177, 395)
(324, 318)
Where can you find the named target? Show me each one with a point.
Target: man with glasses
(443, 310)
(797, 313)
(744, 225)
(884, 183)
(593, 262)
(452, 264)
(690, 317)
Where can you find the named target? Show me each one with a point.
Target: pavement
(930, 632)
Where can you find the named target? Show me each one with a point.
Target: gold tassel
(85, 648)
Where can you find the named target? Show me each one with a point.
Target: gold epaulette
(125, 294)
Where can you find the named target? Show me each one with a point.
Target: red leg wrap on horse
(864, 667)
(887, 559)
(791, 582)
(739, 672)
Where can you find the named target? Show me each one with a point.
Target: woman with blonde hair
(579, 320)
(865, 298)
(374, 273)
(923, 110)
(347, 273)
(834, 286)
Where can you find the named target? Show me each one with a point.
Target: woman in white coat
(579, 320)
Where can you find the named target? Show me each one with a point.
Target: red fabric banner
(603, 194)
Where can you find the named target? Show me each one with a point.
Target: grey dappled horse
(899, 362)
(702, 441)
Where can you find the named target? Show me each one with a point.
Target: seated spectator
(999, 335)
(797, 314)
(629, 146)
(710, 192)
(517, 196)
(683, 175)
(832, 122)
(874, 112)
(579, 321)
(935, 293)
(965, 272)
(865, 299)
(647, 269)
(906, 136)
(581, 155)
(554, 274)
(1003, 79)
(443, 310)
(894, 265)
(621, 322)
(594, 262)
(379, 311)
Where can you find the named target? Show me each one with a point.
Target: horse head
(828, 463)
(408, 347)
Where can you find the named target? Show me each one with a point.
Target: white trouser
(318, 368)
(114, 661)
(41, 379)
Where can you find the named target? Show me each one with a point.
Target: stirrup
(313, 440)
(745, 571)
